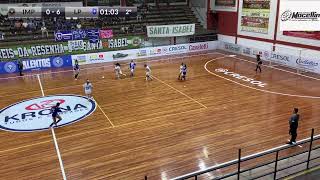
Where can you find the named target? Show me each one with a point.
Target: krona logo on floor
(35, 114)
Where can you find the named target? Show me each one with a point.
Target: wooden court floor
(163, 128)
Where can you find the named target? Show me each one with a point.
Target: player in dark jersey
(55, 110)
(184, 72)
(259, 63)
(76, 69)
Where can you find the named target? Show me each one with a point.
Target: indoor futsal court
(163, 128)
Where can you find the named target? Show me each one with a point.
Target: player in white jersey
(88, 89)
(117, 70)
(180, 71)
(148, 73)
(132, 67)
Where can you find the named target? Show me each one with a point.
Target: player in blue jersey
(76, 69)
(132, 67)
(88, 89)
(55, 114)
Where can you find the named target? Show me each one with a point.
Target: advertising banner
(106, 34)
(72, 47)
(171, 30)
(92, 58)
(315, 35)
(231, 47)
(255, 16)
(79, 34)
(299, 15)
(36, 64)
(302, 63)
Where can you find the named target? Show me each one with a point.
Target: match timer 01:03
(117, 11)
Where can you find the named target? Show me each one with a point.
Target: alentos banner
(171, 30)
(36, 64)
(71, 47)
(299, 15)
(255, 16)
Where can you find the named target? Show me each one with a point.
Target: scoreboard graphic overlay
(70, 12)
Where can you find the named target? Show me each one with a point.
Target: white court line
(110, 65)
(105, 115)
(180, 92)
(54, 139)
(272, 67)
(262, 90)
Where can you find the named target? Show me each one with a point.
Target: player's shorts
(148, 74)
(88, 92)
(132, 70)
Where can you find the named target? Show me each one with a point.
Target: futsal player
(148, 73)
(259, 63)
(55, 110)
(118, 71)
(88, 89)
(180, 71)
(184, 72)
(132, 67)
(76, 69)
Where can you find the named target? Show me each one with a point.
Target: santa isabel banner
(171, 30)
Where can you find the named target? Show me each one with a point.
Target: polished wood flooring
(163, 128)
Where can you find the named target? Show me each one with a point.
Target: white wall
(295, 51)
(255, 44)
(199, 8)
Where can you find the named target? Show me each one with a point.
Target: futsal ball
(102, 77)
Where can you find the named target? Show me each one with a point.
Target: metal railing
(276, 169)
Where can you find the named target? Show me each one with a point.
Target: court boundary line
(180, 92)
(110, 65)
(54, 138)
(257, 89)
(105, 114)
(271, 67)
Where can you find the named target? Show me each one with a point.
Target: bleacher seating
(151, 15)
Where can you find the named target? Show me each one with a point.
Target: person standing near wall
(20, 67)
(259, 63)
(293, 123)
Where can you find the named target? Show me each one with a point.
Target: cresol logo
(280, 57)
(243, 78)
(35, 114)
(306, 62)
(177, 48)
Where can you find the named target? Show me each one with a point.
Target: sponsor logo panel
(35, 114)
